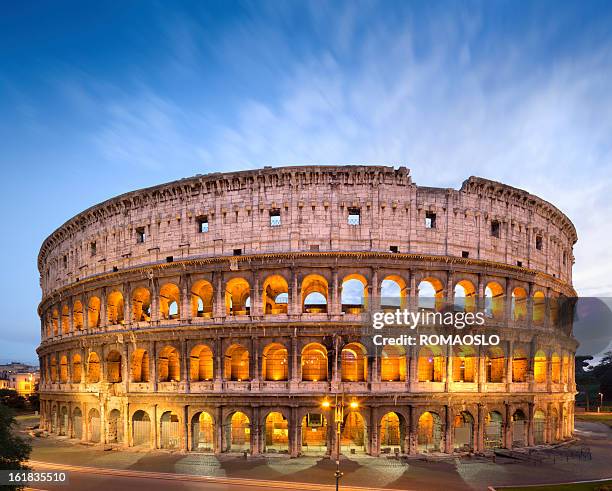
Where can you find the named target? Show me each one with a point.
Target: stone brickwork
(181, 316)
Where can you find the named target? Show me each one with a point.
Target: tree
(14, 450)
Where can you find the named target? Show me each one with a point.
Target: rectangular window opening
(202, 224)
(430, 220)
(519, 264)
(93, 249)
(539, 242)
(237, 252)
(314, 247)
(465, 254)
(275, 218)
(495, 228)
(140, 235)
(170, 259)
(354, 216)
(394, 249)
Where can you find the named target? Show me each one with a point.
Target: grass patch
(605, 418)
(584, 486)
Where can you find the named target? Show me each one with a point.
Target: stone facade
(182, 316)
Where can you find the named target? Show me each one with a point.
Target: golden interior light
(325, 404)
(354, 404)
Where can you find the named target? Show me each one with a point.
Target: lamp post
(600, 401)
(338, 419)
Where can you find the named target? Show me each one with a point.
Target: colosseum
(226, 313)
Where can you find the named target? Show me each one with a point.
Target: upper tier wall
(314, 204)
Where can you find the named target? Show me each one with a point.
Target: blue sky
(97, 99)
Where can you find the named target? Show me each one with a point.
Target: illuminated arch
(55, 321)
(65, 319)
(140, 366)
(237, 363)
(63, 369)
(203, 432)
(314, 362)
(77, 315)
(201, 363)
(141, 304)
(275, 296)
(465, 364)
(519, 304)
(494, 300)
(393, 364)
(93, 368)
(275, 364)
(114, 308)
(237, 297)
(495, 361)
(240, 432)
(314, 294)
(539, 367)
(539, 307)
(113, 367)
(277, 432)
(93, 313)
(430, 365)
(354, 294)
(393, 293)
(76, 368)
(354, 363)
(465, 296)
(520, 365)
(168, 365)
(429, 432)
(431, 293)
(202, 299)
(463, 426)
(169, 301)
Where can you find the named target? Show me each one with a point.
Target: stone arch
(65, 319)
(93, 422)
(495, 365)
(314, 293)
(93, 313)
(238, 297)
(494, 300)
(519, 428)
(276, 433)
(520, 365)
(53, 365)
(465, 364)
(465, 296)
(77, 315)
(202, 432)
(63, 378)
(429, 432)
(141, 304)
(93, 368)
(63, 421)
(555, 433)
(493, 431)
(354, 364)
(275, 364)
(201, 363)
(430, 365)
(314, 363)
(430, 293)
(463, 432)
(202, 299)
(555, 362)
(393, 364)
(237, 363)
(314, 434)
(539, 427)
(393, 293)
(539, 367)
(169, 434)
(392, 432)
(275, 295)
(114, 433)
(169, 301)
(169, 368)
(141, 428)
(55, 321)
(354, 433)
(114, 308)
(354, 293)
(519, 303)
(539, 307)
(140, 365)
(239, 432)
(113, 367)
(76, 368)
(77, 423)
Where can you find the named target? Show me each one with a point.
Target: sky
(100, 98)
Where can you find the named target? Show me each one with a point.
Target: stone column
(412, 431)
(219, 310)
(336, 300)
(374, 433)
(509, 362)
(154, 301)
(218, 444)
(185, 284)
(256, 296)
(530, 435)
(295, 375)
(294, 307)
(530, 305)
(295, 433)
(508, 426)
(185, 374)
(508, 305)
(186, 434)
(153, 365)
(449, 368)
(374, 304)
(413, 376)
(218, 372)
(479, 443)
(448, 430)
(127, 304)
(125, 370)
(127, 433)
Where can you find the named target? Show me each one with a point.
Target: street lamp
(600, 401)
(338, 419)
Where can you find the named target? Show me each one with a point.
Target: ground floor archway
(429, 434)
(463, 432)
(141, 429)
(202, 432)
(277, 433)
(314, 434)
(353, 436)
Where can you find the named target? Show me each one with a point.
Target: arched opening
(141, 429)
(169, 367)
(93, 313)
(202, 432)
(539, 426)
(55, 321)
(463, 440)
(555, 362)
(275, 295)
(353, 294)
(169, 435)
(495, 361)
(201, 363)
(314, 362)
(354, 363)
(202, 299)
(539, 367)
(53, 369)
(314, 434)
(63, 369)
(314, 294)
(464, 364)
(141, 305)
(493, 437)
(237, 363)
(353, 436)
(140, 365)
(237, 297)
(113, 367)
(54, 419)
(94, 425)
(77, 423)
(539, 307)
(169, 301)
(115, 427)
(77, 315)
(391, 433)
(431, 294)
(393, 364)
(93, 368)
(240, 432)
(429, 435)
(565, 370)
(76, 369)
(65, 319)
(277, 433)
(519, 304)
(275, 362)
(393, 293)
(430, 365)
(114, 308)
(519, 429)
(494, 300)
(63, 421)
(520, 365)
(554, 429)
(465, 296)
